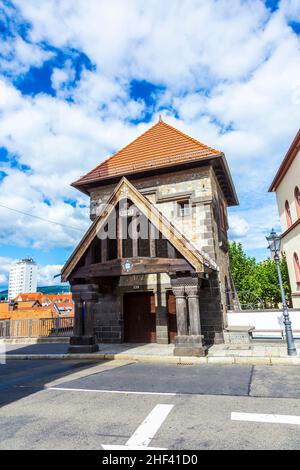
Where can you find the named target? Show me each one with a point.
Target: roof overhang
(287, 161)
(218, 162)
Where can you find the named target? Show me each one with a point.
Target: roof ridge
(137, 138)
(285, 164)
(157, 124)
(189, 137)
(116, 153)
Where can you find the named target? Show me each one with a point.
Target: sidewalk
(271, 352)
(259, 352)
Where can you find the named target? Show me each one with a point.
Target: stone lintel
(193, 291)
(184, 281)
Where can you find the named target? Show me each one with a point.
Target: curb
(221, 360)
(35, 340)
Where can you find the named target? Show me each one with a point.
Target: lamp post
(274, 241)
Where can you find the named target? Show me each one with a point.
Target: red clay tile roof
(29, 296)
(29, 304)
(160, 146)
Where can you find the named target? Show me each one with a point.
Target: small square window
(183, 209)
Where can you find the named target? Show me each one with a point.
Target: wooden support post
(134, 234)
(89, 256)
(152, 241)
(120, 235)
(104, 247)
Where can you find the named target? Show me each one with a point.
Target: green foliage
(258, 279)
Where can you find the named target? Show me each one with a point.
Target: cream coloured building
(286, 184)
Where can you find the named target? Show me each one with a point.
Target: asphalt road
(88, 405)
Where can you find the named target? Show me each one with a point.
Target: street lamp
(274, 241)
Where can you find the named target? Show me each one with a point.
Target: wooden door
(139, 317)
(172, 320)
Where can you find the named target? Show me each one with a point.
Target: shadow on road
(21, 378)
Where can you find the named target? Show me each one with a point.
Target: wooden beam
(120, 231)
(88, 256)
(104, 246)
(134, 225)
(139, 266)
(152, 231)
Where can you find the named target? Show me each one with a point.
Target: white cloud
(251, 226)
(60, 78)
(5, 264)
(17, 56)
(239, 227)
(291, 9)
(23, 230)
(166, 41)
(46, 274)
(229, 74)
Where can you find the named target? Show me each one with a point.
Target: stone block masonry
(109, 318)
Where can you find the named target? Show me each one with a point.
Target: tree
(259, 280)
(242, 266)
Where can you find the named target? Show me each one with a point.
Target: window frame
(183, 208)
(296, 263)
(297, 200)
(288, 214)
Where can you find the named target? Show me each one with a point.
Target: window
(184, 209)
(297, 201)
(297, 267)
(288, 214)
(223, 218)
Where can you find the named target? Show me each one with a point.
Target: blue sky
(79, 80)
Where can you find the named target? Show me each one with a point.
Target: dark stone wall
(108, 319)
(211, 313)
(108, 313)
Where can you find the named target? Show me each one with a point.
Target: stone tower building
(153, 266)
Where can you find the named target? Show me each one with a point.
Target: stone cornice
(290, 229)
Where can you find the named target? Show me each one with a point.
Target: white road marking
(126, 392)
(266, 418)
(142, 437)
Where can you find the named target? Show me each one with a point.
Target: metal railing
(36, 327)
